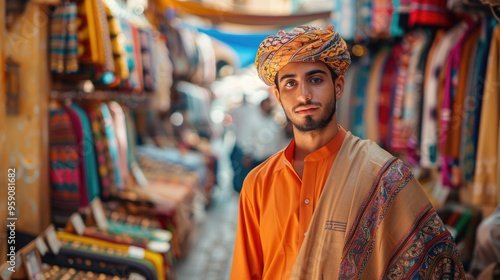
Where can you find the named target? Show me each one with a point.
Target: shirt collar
(331, 148)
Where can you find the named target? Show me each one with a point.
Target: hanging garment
(372, 94)
(473, 102)
(65, 176)
(160, 100)
(119, 125)
(146, 42)
(429, 152)
(63, 40)
(104, 161)
(385, 100)
(78, 130)
(398, 141)
(485, 188)
(117, 47)
(89, 155)
(110, 133)
(452, 107)
(90, 33)
(412, 109)
(430, 13)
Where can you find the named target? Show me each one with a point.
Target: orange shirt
(276, 208)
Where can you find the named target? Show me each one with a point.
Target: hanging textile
(429, 149)
(76, 123)
(485, 188)
(63, 43)
(104, 161)
(65, 176)
(372, 94)
(472, 112)
(146, 43)
(89, 155)
(110, 133)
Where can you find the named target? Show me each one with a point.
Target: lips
(306, 109)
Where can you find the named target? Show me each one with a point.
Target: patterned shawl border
(422, 218)
(364, 236)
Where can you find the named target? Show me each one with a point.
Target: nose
(305, 93)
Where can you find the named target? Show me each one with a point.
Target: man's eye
(316, 80)
(290, 83)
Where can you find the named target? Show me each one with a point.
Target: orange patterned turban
(301, 44)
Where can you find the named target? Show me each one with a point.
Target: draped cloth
(387, 228)
(301, 44)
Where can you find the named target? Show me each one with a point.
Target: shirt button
(306, 201)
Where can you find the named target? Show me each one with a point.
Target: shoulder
(256, 178)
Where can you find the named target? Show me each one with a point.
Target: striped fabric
(89, 155)
(110, 133)
(78, 129)
(104, 162)
(63, 44)
(65, 175)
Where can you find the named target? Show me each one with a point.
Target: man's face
(307, 94)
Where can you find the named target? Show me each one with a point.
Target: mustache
(309, 102)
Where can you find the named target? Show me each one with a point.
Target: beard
(312, 124)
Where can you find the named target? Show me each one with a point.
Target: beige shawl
(373, 221)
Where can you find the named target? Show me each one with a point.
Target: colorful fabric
(113, 148)
(117, 47)
(486, 179)
(104, 162)
(65, 176)
(301, 44)
(430, 114)
(119, 125)
(472, 109)
(272, 221)
(89, 155)
(119, 249)
(388, 230)
(63, 41)
(148, 59)
(430, 13)
(78, 129)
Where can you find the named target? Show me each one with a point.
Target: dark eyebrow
(316, 71)
(310, 73)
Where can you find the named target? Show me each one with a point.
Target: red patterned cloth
(430, 13)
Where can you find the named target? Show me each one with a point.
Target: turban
(301, 44)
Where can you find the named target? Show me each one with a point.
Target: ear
(276, 94)
(339, 87)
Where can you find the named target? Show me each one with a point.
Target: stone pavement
(210, 256)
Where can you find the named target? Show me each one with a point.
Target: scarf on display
(352, 233)
(78, 129)
(301, 44)
(472, 112)
(63, 42)
(90, 33)
(110, 133)
(65, 174)
(430, 13)
(89, 155)
(486, 179)
(104, 161)
(148, 59)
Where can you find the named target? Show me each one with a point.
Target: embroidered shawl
(373, 221)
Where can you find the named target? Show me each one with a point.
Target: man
(331, 206)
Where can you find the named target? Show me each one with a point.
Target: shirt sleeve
(248, 256)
